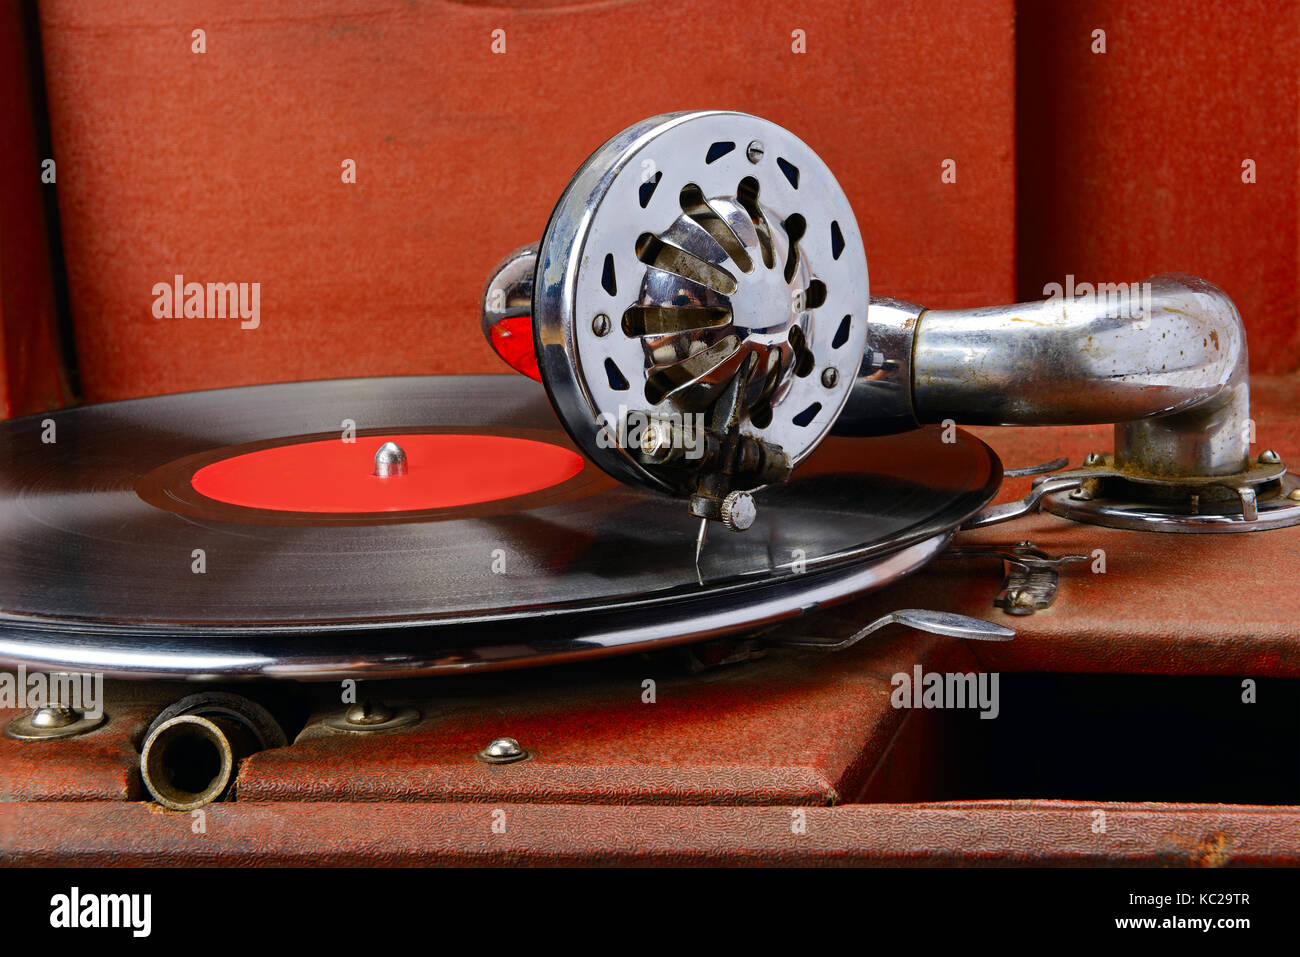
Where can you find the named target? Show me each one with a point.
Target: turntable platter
(112, 556)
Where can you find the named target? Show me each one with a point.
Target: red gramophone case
(366, 165)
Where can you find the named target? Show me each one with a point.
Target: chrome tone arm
(880, 402)
(1166, 362)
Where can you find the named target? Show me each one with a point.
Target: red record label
(332, 476)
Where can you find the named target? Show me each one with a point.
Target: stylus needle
(699, 547)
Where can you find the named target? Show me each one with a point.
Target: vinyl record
(153, 525)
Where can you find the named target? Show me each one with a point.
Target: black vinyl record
(101, 526)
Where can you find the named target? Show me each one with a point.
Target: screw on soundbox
(738, 511)
(659, 443)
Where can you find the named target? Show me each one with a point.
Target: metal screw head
(754, 152)
(1269, 457)
(503, 751)
(390, 460)
(51, 722)
(371, 717)
(738, 511)
(54, 717)
(656, 439)
(830, 376)
(1093, 459)
(367, 713)
(600, 325)
(1018, 598)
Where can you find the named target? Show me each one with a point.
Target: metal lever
(995, 514)
(1041, 469)
(935, 622)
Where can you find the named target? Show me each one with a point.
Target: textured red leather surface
(100, 766)
(1131, 162)
(793, 729)
(31, 361)
(227, 166)
(986, 832)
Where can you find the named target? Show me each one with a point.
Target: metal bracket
(1262, 495)
(1031, 575)
(1102, 493)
